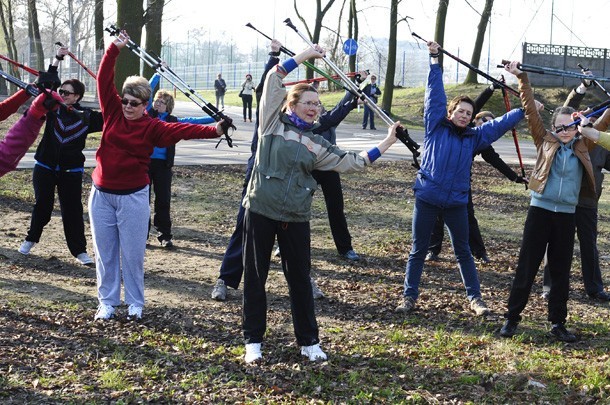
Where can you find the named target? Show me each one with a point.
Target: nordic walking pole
(290, 53)
(70, 54)
(401, 133)
(168, 74)
(595, 82)
(21, 65)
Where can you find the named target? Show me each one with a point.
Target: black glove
(521, 180)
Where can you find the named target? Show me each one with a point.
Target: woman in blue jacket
(162, 161)
(443, 181)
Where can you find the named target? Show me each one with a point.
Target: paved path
(349, 137)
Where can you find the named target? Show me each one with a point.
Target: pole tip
(249, 25)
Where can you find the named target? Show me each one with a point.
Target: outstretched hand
(513, 68)
(522, 180)
(121, 39)
(275, 45)
(44, 103)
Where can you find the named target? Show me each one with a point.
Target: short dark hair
(78, 86)
(456, 101)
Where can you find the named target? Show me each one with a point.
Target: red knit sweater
(11, 104)
(124, 152)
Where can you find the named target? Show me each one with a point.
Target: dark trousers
(161, 183)
(369, 116)
(586, 230)
(295, 244)
(232, 266)
(333, 197)
(475, 240)
(69, 190)
(246, 100)
(542, 228)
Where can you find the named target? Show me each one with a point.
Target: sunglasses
(485, 119)
(63, 92)
(132, 103)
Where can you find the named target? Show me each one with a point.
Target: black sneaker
(432, 257)
(351, 255)
(482, 258)
(600, 296)
(561, 333)
(509, 329)
(167, 244)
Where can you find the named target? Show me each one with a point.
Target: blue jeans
(456, 219)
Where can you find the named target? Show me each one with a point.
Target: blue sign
(350, 46)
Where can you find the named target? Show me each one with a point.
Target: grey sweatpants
(119, 226)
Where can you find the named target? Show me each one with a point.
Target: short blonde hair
(483, 114)
(138, 87)
(167, 98)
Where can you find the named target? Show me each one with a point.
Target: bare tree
(471, 77)
(439, 32)
(314, 34)
(6, 19)
(152, 20)
(352, 31)
(130, 16)
(99, 31)
(34, 31)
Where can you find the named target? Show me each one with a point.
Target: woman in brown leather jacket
(563, 167)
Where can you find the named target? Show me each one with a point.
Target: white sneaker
(317, 293)
(104, 312)
(134, 312)
(26, 246)
(314, 352)
(84, 259)
(219, 293)
(253, 352)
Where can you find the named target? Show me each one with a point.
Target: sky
(512, 23)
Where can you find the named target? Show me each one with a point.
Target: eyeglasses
(566, 128)
(132, 103)
(63, 92)
(158, 101)
(310, 104)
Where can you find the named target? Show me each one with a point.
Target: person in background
(443, 181)
(220, 88)
(247, 89)
(162, 161)
(60, 164)
(24, 132)
(278, 203)
(119, 207)
(373, 91)
(563, 171)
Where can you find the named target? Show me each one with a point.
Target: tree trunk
(317, 29)
(388, 88)
(6, 18)
(439, 32)
(99, 31)
(471, 77)
(130, 17)
(35, 40)
(353, 32)
(153, 17)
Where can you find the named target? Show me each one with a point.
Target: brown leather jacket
(547, 145)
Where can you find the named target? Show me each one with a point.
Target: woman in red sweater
(118, 203)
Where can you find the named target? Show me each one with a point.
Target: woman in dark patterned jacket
(60, 165)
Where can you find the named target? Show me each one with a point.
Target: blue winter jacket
(444, 177)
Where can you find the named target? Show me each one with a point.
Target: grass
(190, 350)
